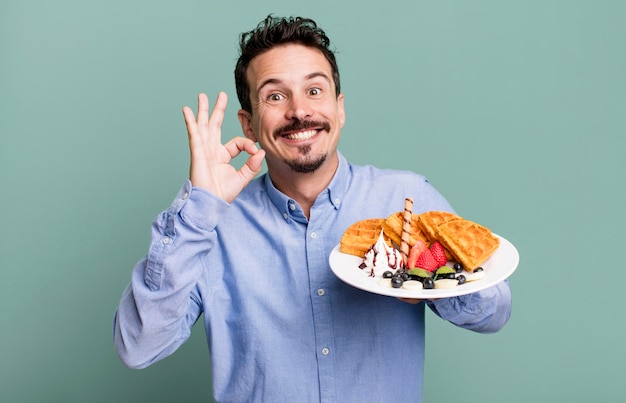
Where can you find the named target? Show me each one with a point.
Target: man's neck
(305, 187)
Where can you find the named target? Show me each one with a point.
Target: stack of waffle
(465, 241)
(361, 235)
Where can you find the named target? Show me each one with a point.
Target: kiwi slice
(445, 272)
(419, 274)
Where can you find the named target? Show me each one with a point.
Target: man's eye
(275, 97)
(314, 91)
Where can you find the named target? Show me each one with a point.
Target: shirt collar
(334, 193)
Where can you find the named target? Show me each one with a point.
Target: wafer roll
(406, 228)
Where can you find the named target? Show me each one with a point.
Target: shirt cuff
(485, 311)
(197, 207)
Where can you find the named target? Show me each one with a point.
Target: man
(252, 255)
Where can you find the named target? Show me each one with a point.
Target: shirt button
(336, 201)
(321, 292)
(166, 240)
(313, 235)
(185, 195)
(325, 351)
(286, 215)
(292, 206)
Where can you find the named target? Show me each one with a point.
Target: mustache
(298, 125)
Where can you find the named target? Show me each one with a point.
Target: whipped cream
(381, 258)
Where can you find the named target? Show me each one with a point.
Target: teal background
(515, 110)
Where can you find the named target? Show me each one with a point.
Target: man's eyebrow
(307, 77)
(318, 74)
(267, 82)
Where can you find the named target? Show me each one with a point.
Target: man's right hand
(210, 159)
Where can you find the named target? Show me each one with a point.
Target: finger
(238, 144)
(190, 122)
(189, 116)
(203, 108)
(217, 115)
(193, 132)
(254, 163)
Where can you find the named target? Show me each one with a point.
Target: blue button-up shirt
(280, 326)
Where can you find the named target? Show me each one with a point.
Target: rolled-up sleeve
(485, 311)
(160, 305)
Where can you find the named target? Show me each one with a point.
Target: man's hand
(415, 301)
(210, 159)
(412, 301)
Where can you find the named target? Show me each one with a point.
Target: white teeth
(301, 135)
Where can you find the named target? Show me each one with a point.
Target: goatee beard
(308, 163)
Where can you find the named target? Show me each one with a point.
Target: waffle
(393, 229)
(430, 220)
(470, 243)
(360, 236)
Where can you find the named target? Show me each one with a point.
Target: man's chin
(308, 165)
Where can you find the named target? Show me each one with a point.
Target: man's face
(296, 117)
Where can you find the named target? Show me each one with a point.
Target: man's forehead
(288, 62)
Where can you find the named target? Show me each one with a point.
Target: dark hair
(274, 31)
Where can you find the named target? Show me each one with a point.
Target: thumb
(252, 166)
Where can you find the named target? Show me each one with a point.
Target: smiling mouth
(305, 135)
(302, 130)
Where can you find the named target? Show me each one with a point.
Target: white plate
(498, 267)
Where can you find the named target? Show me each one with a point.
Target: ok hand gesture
(210, 159)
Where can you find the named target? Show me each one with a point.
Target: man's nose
(298, 108)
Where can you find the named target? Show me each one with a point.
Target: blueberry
(476, 270)
(396, 282)
(387, 274)
(458, 267)
(461, 279)
(428, 283)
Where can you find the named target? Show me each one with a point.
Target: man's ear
(341, 110)
(245, 119)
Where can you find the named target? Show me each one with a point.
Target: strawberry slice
(414, 252)
(439, 253)
(427, 261)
